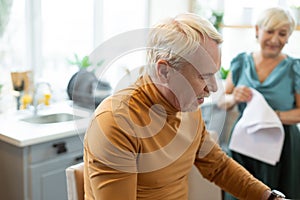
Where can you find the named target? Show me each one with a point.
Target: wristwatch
(276, 194)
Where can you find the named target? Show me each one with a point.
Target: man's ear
(163, 70)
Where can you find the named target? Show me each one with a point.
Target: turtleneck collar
(154, 95)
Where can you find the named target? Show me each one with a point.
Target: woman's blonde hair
(176, 37)
(276, 17)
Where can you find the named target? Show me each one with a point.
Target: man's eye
(282, 34)
(204, 77)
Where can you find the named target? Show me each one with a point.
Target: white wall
(160, 9)
(237, 40)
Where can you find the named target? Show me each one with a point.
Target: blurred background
(42, 36)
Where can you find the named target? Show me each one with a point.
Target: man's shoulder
(119, 101)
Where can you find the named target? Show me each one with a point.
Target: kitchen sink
(51, 118)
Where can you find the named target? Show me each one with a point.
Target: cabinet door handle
(61, 147)
(79, 158)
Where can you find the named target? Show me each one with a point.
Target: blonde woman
(277, 76)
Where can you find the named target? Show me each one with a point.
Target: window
(42, 34)
(117, 20)
(66, 28)
(12, 48)
(13, 42)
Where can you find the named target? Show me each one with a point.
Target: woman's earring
(256, 36)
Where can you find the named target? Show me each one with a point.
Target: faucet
(36, 95)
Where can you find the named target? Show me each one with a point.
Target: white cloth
(259, 133)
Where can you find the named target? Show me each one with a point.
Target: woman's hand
(242, 94)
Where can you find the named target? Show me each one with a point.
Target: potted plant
(84, 88)
(223, 73)
(83, 63)
(217, 19)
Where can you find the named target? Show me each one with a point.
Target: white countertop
(19, 133)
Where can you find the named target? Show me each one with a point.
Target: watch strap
(276, 194)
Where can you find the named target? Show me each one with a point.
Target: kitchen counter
(36, 155)
(19, 133)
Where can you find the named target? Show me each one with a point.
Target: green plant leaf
(224, 72)
(85, 63)
(82, 63)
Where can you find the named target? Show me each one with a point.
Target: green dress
(278, 90)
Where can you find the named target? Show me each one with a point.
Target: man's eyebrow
(208, 74)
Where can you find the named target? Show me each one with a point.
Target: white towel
(259, 133)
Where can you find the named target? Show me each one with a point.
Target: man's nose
(212, 84)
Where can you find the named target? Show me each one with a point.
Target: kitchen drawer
(55, 148)
(48, 178)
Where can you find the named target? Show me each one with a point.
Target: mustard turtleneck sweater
(138, 146)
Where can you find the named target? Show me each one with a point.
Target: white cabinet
(37, 172)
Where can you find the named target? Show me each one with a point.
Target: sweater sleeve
(217, 167)
(110, 171)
